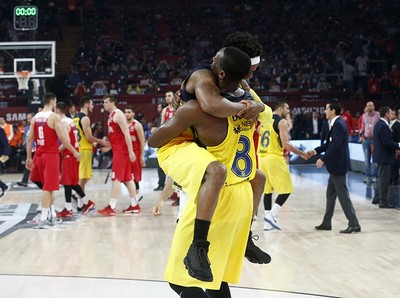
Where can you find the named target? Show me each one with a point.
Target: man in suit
(384, 155)
(395, 127)
(337, 160)
(314, 126)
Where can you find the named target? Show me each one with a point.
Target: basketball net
(23, 79)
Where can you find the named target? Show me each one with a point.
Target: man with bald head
(369, 120)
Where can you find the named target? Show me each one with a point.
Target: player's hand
(157, 208)
(252, 109)
(77, 155)
(4, 158)
(132, 157)
(305, 155)
(142, 162)
(245, 85)
(105, 143)
(28, 163)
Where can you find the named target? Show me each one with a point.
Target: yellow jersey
(269, 141)
(84, 144)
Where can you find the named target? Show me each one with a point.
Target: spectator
(99, 88)
(346, 116)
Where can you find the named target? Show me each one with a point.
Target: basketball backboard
(38, 57)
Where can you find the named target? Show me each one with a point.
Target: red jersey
(45, 137)
(169, 113)
(349, 122)
(134, 137)
(73, 137)
(116, 136)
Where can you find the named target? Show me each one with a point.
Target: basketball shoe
(86, 208)
(64, 213)
(197, 262)
(132, 209)
(254, 254)
(269, 218)
(107, 211)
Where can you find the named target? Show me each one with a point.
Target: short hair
(336, 106)
(129, 107)
(111, 98)
(244, 41)
(383, 111)
(62, 107)
(48, 97)
(84, 100)
(279, 103)
(235, 63)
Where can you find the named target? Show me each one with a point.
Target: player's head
(247, 43)
(50, 99)
(129, 113)
(61, 108)
(169, 96)
(281, 107)
(86, 104)
(109, 102)
(231, 64)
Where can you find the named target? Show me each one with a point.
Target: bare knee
(216, 171)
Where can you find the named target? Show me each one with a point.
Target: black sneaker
(197, 262)
(254, 254)
(21, 183)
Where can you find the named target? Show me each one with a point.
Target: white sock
(85, 200)
(53, 211)
(68, 206)
(44, 214)
(113, 203)
(275, 210)
(80, 203)
(133, 202)
(266, 212)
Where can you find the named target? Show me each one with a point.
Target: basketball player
(228, 140)
(46, 129)
(274, 137)
(208, 195)
(69, 165)
(138, 142)
(86, 140)
(123, 156)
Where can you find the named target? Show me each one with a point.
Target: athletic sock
(275, 210)
(113, 203)
(201, 228)
(68, 206)
(53, 211)
(44, 214)
(134, 202)
(85, 200)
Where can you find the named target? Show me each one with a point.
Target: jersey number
(40, 132)
(265, 139)
(243, 164)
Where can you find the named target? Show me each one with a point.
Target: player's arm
(63, 136)
(85, 121)
(120, 119)
(211, 102)
(142, 141)
(29, 143)
(67, 129)
(284, 136)
(183, 118)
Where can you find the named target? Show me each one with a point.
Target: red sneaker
(176, 203)
(132, 209)
(107, 211)
(64, 213)
(87, 207)
(174, 196)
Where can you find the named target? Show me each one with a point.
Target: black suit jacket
(336, 148)
(384, 146)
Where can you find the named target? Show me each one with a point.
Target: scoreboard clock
(25, 18)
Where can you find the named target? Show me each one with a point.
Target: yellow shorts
(85, 164)
(228, 235)
(186, 164)
(276, 171)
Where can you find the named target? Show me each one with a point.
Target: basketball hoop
(23, 79)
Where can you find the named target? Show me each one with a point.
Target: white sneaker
(268, 226)
(272, 221)
(44, 224)
(55, 220)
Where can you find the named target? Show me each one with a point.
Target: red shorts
(46, 170)
(69, 170)
(121, 168)
(137, 168)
